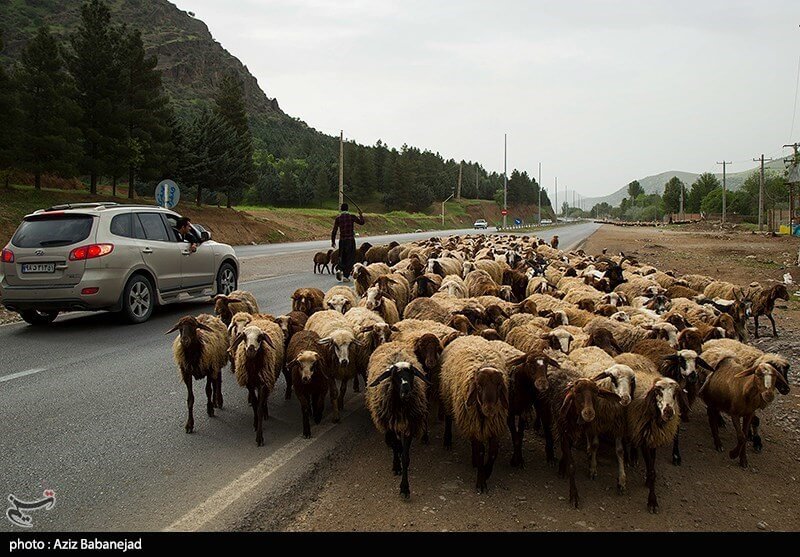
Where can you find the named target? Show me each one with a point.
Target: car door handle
(147, 250)
(186, 252)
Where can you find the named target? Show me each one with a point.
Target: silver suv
(105, 256)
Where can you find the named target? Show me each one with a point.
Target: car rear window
(121, 226)
(41, 231)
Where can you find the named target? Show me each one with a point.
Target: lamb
(336, 331)
(340, 298)
(308, 361)
(396, 287)
(384, 306)
(455, 286)
(201, 351)
(425, 286)
(763, 302)
(738, 392)
(474, 393)
(259, 357)
(308, 300)
(321, 261)
(239, 300)
(364, 276)
(480, 283)
(397, 402)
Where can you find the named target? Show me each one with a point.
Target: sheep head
(188, 327)
(221, 303)
(428, 349)
(374, 298)
(559, 339)
(622, 381)
(664, 398)
(239, 321)
(581, 397)
(254, 340)
(488, 390)
(341, 340)
(534, 365)
(339, 303)
(306, 364)
(402, 375)
(765, 379)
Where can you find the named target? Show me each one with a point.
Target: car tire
(227, 281)
(138, 300)
(38, 318)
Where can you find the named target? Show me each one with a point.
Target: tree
(148, 116)
(712, 202)
(565, 208)
(48, 141)
(672, 195)
(704, 184)
(229, 105)
(601, 210)
(96, 72)
(635, 189)
(421, 197)
(10, 116)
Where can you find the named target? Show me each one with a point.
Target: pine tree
(10, 116)
(229, 105)
(672, 195)
(97, 78)
(48, 139)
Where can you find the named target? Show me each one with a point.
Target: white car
(481, 223)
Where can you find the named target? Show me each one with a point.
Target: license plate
(39, 268)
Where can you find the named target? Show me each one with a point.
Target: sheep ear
(703, 364)
(544, 336)
(503, 397)
(325, 341)
(219, 297)
(601, 376)
(394, 328)
(359, 342)
(674, 358)
(552, 362)
(264, 337)
(421, 375)
(382, 377)
(781, 379)
(745, 373)
(365, 329)
(236, 342)
(567, 405)
(472, 394)
(174, 328)
(450, 338)
(514, 362)
(205, 327)
(602, 393)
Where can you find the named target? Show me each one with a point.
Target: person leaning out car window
(186, 234)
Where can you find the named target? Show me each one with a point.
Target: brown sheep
(361, 252)
(321, 261)
(763, 302)
(307, 361)
(308, 300)
(554, 242)
(480, 283)
(377, 254)
(426, 286)
(239, 300)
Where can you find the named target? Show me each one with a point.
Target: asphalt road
(94, 410)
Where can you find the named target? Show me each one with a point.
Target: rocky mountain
(655, 183)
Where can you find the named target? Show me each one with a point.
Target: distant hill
(655, 183)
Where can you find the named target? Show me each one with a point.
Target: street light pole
(540, 194)
(505, 180)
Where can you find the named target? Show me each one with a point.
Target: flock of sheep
(489, 331)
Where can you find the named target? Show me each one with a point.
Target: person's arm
(360, 218)
(333, 233)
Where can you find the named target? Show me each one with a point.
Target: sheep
(527, 381)
(697, 282)
(397, 402)
(554, 242)
(653, 418)
(738, 392)
(455, 286)
(521, 319)
(444, 266)
(409, 328)
(724, 290)
(259, 357)
(529, 338)
(628, 335)
(494, 268)
(239, 300)
(321, 261)
(334, 259)
(426, 309)
(538, 285)
(393, 257)
(763, 302)
(373, 331)
(340, 298)
(336, 331)
(574, 316)
(384, 306)
(361, 252)
(518, 282)
(679, 291)
(200, 351)
(291, 323)
(480, 283)
(377, 254)
(474, 393)
(308, 361)
(308, 300)
(639, 286)
(426, 286)
(396, 287)
(364, 276)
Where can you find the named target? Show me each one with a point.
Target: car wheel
(226, 279)
(37, 317)
(138, 300)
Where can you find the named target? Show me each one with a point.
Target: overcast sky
(599, 92)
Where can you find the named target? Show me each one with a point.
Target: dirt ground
(709, 492)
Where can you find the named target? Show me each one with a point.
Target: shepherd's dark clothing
(344, 224)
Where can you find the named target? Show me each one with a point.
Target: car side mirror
(205, 236)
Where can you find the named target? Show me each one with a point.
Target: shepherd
(347, 241)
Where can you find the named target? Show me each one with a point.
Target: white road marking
(22, 374)
(208, 510)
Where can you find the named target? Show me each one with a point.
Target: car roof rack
(67, 206)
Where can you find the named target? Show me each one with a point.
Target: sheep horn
(421, 375)
(173, 329)
(600, 376)
(382, 377)
(264, 337)
(702, 363)
(205, 327)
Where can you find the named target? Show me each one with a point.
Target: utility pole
(505, 180)
(761, 195)
(458, 191)
(555, 207)
(341, 167)
(539, 182)
(681, 210)
(724, 164)
(443, 202)
(794, 175)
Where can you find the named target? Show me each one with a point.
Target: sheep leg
(512, 427)
(741, 446)
(318, 406)
(218, 398)
(393, 443)
(342, 392)
(755, 318)
(622, 479)
(494, 447)
(261, 404)
(334, 403)
(478, 451)
(650, 462)
(404, 489)
(448, 432)
(251, 397)
(187, 379)
(356, 388)
(568, 466)
(305, 406)
(477, 457)
(771, 320)
(209, 395)
(676, 449)
(592, 444)
(543, 413)
(758, 446)
(713, 421)
(287, 376)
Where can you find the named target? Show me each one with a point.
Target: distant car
(480, 223)
(547, 221)
(105, 256)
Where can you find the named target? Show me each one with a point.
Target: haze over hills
(655, 183)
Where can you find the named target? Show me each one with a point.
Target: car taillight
(7, 256)
(90, 252)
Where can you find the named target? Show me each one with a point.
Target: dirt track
(708, 492)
